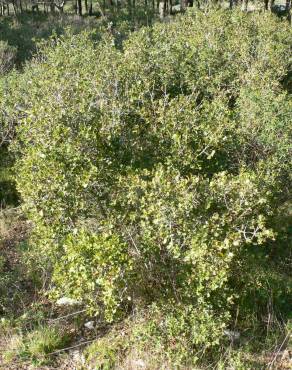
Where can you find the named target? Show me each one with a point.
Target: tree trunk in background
(86, 6)
(79, 2)
(245, 6)
(52, 6)
(90, 8)
(288, 10)
(266, 4)
(14, 7)
(161, 8)
(129, 6)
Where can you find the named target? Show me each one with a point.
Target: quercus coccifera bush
(147, 170)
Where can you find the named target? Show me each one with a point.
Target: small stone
(231, 334)
(89, 325)
(139, 364)
(75, 355)
(66, 301)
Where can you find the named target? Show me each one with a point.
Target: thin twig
(65, 317)
(68, 348)
(279, 350)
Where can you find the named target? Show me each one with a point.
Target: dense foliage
(155, 173)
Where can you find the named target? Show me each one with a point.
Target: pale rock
(66, 301)
(89, 325)
(231, 334)
(139, 364)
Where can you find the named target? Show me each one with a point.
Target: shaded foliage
(154, 172)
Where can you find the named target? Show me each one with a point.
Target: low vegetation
(153, 169)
